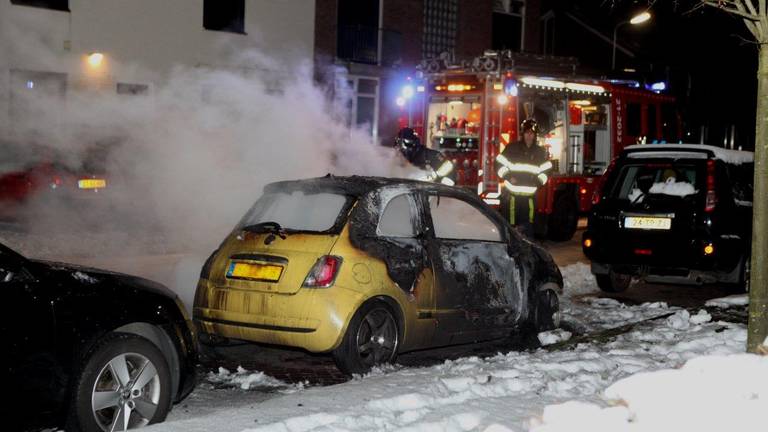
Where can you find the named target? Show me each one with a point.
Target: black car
(89, 350)
(672, 214)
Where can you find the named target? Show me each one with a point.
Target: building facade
(52, 48)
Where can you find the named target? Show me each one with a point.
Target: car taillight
(324, 272)
(711, 200)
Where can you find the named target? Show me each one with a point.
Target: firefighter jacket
(522, 169)
(438, 168)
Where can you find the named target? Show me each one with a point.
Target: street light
(635, 20)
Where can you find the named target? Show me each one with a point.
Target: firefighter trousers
(519, 210)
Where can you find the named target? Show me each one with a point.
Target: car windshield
(661, 178)
(298, 210)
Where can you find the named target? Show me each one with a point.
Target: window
(440, 27)
(224, 15)
(298, 210)
(456, 219)
(652, 135)
(132, 89)
(364, 107)
(633, 120)
(61, 5)
(397, 218)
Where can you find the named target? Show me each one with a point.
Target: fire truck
(472, 109)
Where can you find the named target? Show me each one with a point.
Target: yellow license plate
(91, 183)
(647, 223)
(254, 272)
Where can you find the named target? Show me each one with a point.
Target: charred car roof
(360, 185)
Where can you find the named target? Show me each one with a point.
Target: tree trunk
(758, 294)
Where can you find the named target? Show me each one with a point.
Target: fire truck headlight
(408, 91)
(502, 99)
(400, 101)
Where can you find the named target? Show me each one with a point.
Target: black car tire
(110, 348)
(564, 219)
(613, 282)
(372, 338)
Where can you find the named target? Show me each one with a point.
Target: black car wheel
(372, 338)
(613, 282)
(125, 384)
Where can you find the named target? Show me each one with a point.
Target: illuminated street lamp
(635, 20)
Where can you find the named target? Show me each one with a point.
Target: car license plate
(647, 223)
(254, 272)
(91, 183)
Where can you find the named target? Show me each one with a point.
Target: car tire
(613, 282)
(564, 219)
(123, 373)
(372, 338)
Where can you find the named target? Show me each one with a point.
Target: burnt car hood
(76, 278)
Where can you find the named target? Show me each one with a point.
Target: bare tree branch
(722, 5)
(751, 8)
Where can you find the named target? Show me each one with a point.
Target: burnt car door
(30, 366)
(478, 289)
(402, 231)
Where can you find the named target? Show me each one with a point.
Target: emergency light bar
(560, 85)
(455, 87)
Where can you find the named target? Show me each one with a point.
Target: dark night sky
(705, 47)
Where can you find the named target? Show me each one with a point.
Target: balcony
(360, 44)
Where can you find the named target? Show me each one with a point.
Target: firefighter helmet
(529, 125)
(407, 142)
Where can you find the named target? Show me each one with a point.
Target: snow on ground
(726, 302)
(498, 393)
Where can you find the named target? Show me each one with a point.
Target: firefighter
(438, 168)
(522, 168)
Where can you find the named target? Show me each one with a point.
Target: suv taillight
(711, 199)
(597, 192)
(324, 272)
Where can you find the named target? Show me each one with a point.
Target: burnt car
(90, 350)
(673, 213)
(365, 268)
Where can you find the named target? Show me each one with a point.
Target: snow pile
(713, 393)
(730, 301)
(578, 279)
(246, 380)
(554, 336)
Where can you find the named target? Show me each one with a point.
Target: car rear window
(299, 210)
(664, 178)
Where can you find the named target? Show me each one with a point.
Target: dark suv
(672, 213)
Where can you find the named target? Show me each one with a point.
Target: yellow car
(366, 268)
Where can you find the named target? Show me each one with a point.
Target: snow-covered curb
(712, 393)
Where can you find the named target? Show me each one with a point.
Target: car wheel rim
(126, 393)
(377, 337)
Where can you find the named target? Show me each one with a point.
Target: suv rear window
(675, 179)
(318, 212)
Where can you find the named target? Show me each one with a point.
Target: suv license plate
(647, 223)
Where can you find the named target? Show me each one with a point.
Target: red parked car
(34, 177)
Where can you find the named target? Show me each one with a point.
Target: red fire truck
(471, 110)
